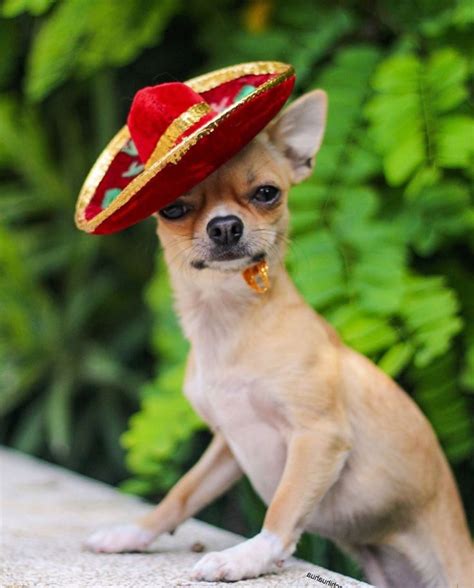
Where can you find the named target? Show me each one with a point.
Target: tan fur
(331, 444)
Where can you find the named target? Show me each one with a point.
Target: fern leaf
(378, 251)
(367, 334)
(396, 359)
(164, 422)
(430, 311)
(317, 269)
(438, 394)
(455, 141)
(346, 82)
(467, 375)
(377, 280)
(437, 215)
(410, 125)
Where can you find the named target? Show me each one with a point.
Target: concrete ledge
(47, 512)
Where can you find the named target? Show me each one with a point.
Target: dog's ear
(298, 132)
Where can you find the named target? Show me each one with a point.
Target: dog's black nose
(225, 230)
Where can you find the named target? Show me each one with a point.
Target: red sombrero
(176, 135)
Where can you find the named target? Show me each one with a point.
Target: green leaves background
(381, 235)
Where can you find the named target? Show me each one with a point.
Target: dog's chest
(243, 409)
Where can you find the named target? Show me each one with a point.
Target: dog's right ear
(298, 132)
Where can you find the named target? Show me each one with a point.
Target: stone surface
(47, 512)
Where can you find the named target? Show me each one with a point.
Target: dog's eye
(266, 194)
(174, 211)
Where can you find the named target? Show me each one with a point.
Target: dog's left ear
(298, 132)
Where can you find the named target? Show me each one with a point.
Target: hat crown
(153, 111)
(177, 135)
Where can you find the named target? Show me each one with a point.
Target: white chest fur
(230, 396)
(241, 408)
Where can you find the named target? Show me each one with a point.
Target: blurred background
(382, 235)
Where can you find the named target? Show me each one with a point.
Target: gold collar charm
(257, 278)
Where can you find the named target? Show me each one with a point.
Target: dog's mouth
(228, 260)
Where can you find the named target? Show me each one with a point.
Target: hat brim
(190, 161)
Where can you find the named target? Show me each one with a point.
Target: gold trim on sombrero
(227, 74)
(96, 175)
(180, 125)
(199, 84)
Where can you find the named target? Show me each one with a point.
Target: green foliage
(82, 37)
(415, 122)
(165, 420)
(437, 214)
(13, 8)
(313, 29)
(382, 234)
(439, 396)
(70, 364)
(51, 359)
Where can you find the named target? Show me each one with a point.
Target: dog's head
(239, 214)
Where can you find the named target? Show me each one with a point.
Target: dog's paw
(118, 538)
(259, 555)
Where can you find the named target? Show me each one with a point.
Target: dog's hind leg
(370, 565)
(385, 567)
(409, 559)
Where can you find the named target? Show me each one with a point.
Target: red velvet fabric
(210, 152)
(224, 95)
(153, 109)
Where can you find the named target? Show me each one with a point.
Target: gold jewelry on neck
(257, 277)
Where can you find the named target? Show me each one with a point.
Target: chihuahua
(330, 443)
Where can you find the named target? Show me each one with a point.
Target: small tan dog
(330, 443)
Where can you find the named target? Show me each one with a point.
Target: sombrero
(176, 135)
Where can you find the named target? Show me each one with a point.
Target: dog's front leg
(313, 463)
(210, 477)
